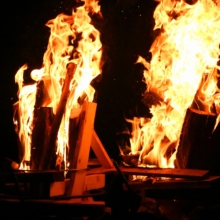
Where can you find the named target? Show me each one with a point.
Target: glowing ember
(182, 71)
(73, 40)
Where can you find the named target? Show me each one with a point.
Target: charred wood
(42, 122)
(151, 98)
(199, 144)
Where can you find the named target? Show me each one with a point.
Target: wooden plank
(173, 184)
(100, 151)
(95, 181)
(101, 170)
(28, 176)
(81, 155)
(57, 188)
(159, 172)
(167, 172)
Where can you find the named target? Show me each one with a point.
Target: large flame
(73, 39)
(182, 71)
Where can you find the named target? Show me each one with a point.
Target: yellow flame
(183, 69)
(26, 101)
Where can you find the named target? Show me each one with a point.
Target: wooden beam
(157, 172)
(167, 172)
(152, 183)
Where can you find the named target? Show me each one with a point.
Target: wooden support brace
(81, 155)
(100, 152)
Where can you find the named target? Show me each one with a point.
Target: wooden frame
(86, 138)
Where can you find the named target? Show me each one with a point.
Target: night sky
(126, 32)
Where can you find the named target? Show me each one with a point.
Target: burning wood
(44, 108)
(199, 145)
(167, 172)
(173, 78)
(183, 69)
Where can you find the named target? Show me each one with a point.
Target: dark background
(126, 32)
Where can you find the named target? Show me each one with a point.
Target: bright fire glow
(61, 50)
(182, 71)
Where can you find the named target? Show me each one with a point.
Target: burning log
(43, 117)
(42, 120)
(48, 155)
(199, 144)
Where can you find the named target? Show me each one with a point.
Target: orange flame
(183, 70)
(73, 39)
(25, 107)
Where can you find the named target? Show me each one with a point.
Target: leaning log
(199, 144)
(49, 153)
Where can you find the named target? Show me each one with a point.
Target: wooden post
(42, 122)
(82, 148)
